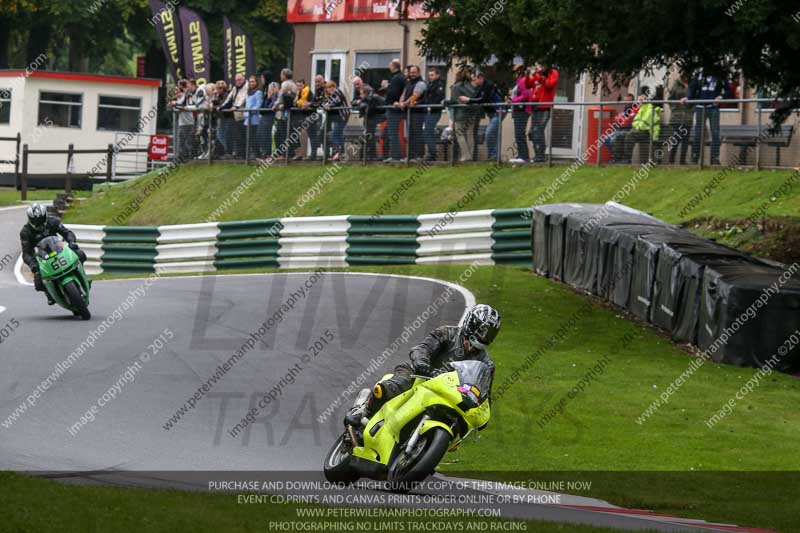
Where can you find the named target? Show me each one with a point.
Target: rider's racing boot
(50, 300)
(384, 390)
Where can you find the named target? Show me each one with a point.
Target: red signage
(348, 10)
(158, 149)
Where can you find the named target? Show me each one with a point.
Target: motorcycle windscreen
(475, 374)
(49, 245)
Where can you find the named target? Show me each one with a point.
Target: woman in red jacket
(543, 83)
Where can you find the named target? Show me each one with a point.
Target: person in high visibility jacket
(646, 125)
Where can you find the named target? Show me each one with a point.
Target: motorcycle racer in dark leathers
(39, 226)
(430, 357)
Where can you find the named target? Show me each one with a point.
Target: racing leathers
(30, 236)
(430, 357)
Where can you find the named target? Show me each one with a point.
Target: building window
(60, 109)
(5, 106)
(373, 67)
(118, 113)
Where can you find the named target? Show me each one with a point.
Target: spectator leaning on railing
(220, 132)
(394, 91)
(646, 126)
(202, 100)
(271, 90)
(314, 106)
(680, 119)
(186, 122)
(706, 86)
(543, 83)
(337, 118)
(371, 110)
(520, 114)
(283, 107)
(434, 96)
(464, 118)
(252, 119)
(486, 94)
(412, 97)
(237, 99)
(615, 141)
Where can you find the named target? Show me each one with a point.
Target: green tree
(758, 37)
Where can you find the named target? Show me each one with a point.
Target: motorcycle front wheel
(337, 463)
(75, 298)
(410, 468)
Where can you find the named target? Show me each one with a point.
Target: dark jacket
(443, 345)
(707, 87)
(435, 94)
(397, 84)
(29, 238)
(370, 107)
(487, 94)
(338, 99)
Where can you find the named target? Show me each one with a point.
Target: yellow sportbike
(406, 439)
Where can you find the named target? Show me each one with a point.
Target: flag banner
(168, 26)
(240, 57)
(196, 47)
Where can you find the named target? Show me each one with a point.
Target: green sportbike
(63, 276)
(406, 439)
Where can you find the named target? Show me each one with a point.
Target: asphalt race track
(173, 336)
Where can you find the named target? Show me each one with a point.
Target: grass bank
(762, 207)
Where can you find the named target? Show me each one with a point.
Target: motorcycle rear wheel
(407, 470)
(337, 463)
(75, 298)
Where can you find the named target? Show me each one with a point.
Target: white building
(53, 109)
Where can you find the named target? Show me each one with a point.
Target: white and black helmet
(481, 326)
(37, 216)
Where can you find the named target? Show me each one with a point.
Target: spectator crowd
(256, 117)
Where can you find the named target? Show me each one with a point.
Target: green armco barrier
(250, 229)
(500, 236)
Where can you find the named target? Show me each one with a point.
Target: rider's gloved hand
(34, 268)
(422, 368)
(74, 246)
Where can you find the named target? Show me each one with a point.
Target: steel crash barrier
(499, 236)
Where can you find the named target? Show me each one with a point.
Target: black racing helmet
(481, 326)
(37, 216)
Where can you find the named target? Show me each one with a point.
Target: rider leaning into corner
(431, 357)
(40, 226)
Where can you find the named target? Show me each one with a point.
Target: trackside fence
(500, 236)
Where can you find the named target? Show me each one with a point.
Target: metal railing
(690, 133)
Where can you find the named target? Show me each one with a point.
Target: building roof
(78, 76)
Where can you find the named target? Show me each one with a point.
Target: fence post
(325, 139)
(109, 161)
(702, 147)
(549, 133)
(499, 156)
(758, 139)
(367, 140)
(409, 139)
(24, 178)
(175, 146)
(16, 162)
(287, 143)
(650, 139)
(68, 179)
(599, 135)
(212, 136)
